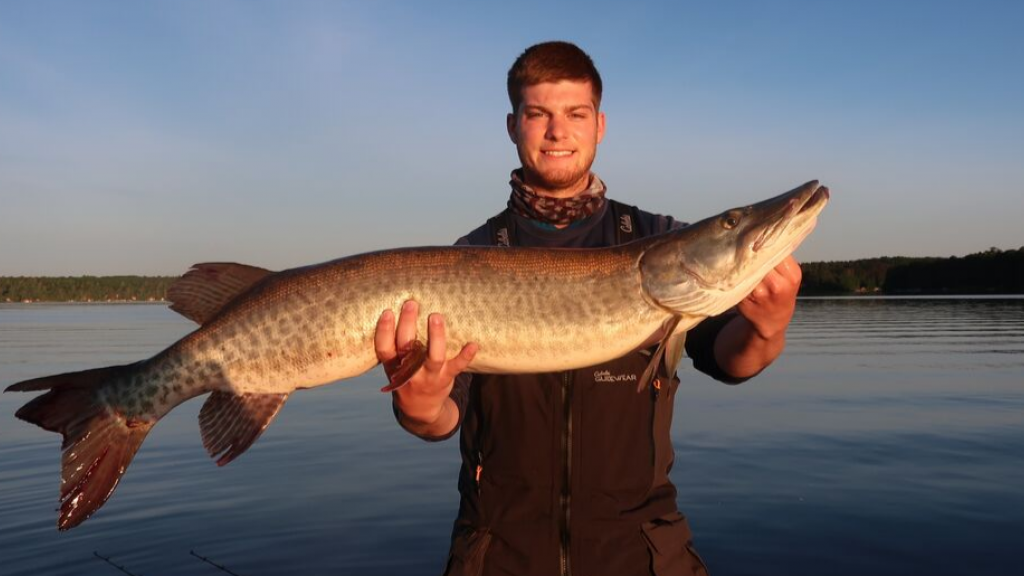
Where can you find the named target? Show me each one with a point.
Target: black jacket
(567, 473)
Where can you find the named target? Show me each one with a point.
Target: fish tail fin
(99, 442)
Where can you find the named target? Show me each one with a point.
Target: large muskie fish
(264, 334)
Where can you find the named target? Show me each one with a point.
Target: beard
(558, 179)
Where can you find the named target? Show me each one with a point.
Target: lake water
(889, 439)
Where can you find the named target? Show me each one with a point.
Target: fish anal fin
(230, 423)
(206, 288)
(411, 358)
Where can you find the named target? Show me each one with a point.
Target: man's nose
(557, 128)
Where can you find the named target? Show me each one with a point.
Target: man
(567, 473)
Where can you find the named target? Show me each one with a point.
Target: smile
(558, 153)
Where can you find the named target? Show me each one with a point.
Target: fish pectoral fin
(669, 339)
(411, 357)
(230, 422)
(206, 288)
(675, 349)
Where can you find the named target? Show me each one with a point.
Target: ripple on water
(888, 435)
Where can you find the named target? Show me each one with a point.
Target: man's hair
(551, 62)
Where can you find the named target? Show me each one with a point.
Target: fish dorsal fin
(230, 423)
(206, 288)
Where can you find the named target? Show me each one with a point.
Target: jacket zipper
(566, 497)
(479, 470)
(655, 394)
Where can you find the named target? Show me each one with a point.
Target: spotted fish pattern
(263, 335)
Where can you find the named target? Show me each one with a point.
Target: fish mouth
(810, 199)
(816, 199)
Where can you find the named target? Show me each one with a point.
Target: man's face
(556, 131)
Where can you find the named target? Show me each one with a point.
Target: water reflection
(888, 435)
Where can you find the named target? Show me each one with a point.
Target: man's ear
(510, 125)
(600, 127)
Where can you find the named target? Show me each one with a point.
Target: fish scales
(547, 308)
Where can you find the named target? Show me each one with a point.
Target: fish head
(706, 268)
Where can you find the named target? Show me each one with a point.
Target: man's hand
(770, 306)
(751, 342)
(423, 401)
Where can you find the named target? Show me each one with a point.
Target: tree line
(994, 271)
(84, 288)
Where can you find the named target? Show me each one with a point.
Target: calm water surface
(889, 439)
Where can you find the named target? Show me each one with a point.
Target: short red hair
(551, 62)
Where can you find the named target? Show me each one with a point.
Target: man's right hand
(423, 403)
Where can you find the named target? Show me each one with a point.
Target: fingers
(771, 284)
(437, 347)
(391, 339)
(789, 270)
(406, 331)
(784, 280)
(760, 292)
(461, 362)
(384, 337)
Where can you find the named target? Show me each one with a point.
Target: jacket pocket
(466, 557)
(672, 553)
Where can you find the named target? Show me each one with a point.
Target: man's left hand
(755, 338)
(769, 307)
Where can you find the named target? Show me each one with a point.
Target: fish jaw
(710, 266)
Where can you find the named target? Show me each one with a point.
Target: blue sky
(141, 137)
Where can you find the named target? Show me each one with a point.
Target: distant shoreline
(85, 289)
(993, 272)
(87, 302)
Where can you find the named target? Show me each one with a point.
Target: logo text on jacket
(606, 376)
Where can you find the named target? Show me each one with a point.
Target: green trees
(994, 271)
(991, 272)
(84, 288)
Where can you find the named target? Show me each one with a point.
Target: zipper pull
(479, 470)
(656, 387)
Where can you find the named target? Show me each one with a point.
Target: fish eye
(730, 221)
